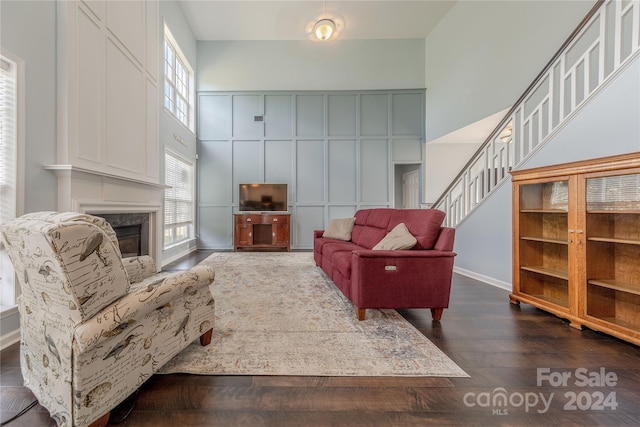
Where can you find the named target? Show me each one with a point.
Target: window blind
(8, 172)
(178, 200)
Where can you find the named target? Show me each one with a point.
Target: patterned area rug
(278, 314)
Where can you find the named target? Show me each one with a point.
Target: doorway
(407, 186)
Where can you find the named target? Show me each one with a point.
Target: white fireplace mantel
(94, 192)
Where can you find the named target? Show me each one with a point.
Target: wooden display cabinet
(576, 242)
(261, 231)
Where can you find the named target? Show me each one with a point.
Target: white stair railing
(602, 45)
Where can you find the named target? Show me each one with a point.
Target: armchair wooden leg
(361, 313)
(436, 313)
(205, 339)
(102, 421)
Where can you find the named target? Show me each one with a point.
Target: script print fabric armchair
(93, 326)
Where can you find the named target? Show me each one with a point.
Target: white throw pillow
(397, 239)
(340, 229)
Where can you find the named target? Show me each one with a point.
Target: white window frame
(173, 228)
(11, 187)
(179, 87)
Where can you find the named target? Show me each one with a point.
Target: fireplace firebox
(132, 230)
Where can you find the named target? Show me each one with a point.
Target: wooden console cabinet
(576, 243)
(261, 231)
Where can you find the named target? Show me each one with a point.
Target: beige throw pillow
(397, 239)
(340, 229)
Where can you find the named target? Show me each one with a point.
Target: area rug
(278, 314)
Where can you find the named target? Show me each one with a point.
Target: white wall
(443, 162)
(607, 125)
(301, 65)
(484, 54)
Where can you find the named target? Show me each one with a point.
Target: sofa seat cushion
(341, 262)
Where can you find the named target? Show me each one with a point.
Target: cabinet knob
(273, 234)
(275, 219)
(250, 234)
(248, 219)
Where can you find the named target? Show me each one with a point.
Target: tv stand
(261, 231)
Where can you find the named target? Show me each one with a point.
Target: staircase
(605, 42)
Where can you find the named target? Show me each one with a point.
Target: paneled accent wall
(335, 150)
(108, 73)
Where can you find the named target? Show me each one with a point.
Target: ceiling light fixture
(324, 29)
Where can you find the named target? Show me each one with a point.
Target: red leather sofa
(416, 278)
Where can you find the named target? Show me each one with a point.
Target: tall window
(178, 82)
(178, 200)
(11, 135)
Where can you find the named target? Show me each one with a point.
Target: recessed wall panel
(338, 212)
(278, 164)
(214, 172)
(374, 114)
(406, 150)
(214, 116)
(278, 122)
(247, 164)
(90, 68)
(126, 110)
(374, 171)
(406, 114)
(310, 171)
(342, 115)
(342, 171)
(305, 220)
(215, 227)
(245, 109)
(126, 21)
(310, 115)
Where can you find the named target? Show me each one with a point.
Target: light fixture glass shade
(324, 29)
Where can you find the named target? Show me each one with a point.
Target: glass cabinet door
(543, 241)
(613, 249)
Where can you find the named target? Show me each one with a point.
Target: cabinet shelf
(614, 240)
(546, 271)
(544, 211)
(616, 285)
(614, 211)
(545, 240)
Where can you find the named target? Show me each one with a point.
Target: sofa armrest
(405, 278)
(445, 239)
(317, 233)
(117, 317)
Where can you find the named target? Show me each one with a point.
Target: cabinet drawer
(248, 219)
(275, 219)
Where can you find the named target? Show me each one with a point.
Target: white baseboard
(486, 279)
(9, 339)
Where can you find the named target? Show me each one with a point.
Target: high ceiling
(292, 19)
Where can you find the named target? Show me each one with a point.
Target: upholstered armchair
(95, 326)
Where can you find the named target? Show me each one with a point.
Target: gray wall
(607, 125)
(300, 65)
(482, 56)
(335, 150)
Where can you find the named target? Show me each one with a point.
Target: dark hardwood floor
(500, 345)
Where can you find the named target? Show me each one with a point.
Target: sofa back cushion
(372, 225)
(423, 224)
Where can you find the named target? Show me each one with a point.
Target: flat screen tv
(262, 197)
